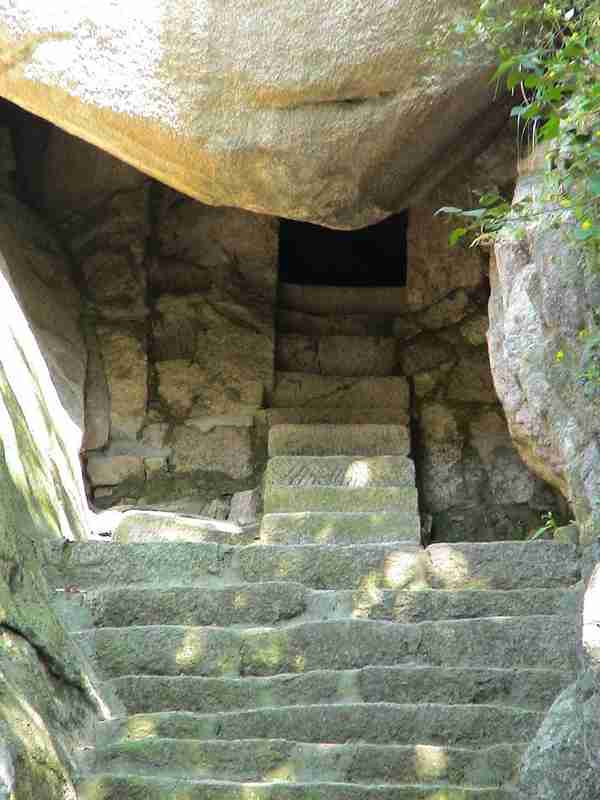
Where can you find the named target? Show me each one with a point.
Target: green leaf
(456, 235)
(448, 210)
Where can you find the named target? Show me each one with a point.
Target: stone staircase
(335, 658)
(317, 671)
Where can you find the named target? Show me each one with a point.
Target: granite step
(342, 723)
(533, 689)
(394, 565)
(319, 415)
(348, 471)
(335, 528)
(376, 300)
(333, 644)
(133, 787)
(286, 761)
(339, 440)
(290, 499)
(309, 324)
(346, 356)
(299, 389)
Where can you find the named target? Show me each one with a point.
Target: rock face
(334, 114)
(543, 298)
(48, 696)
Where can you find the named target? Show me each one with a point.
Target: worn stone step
(323, 527)
(245, 604)
(349, 471)
(82, 565)
(377, 723)
(285, 761)
(293, 389)
(335, 644)
(373, 300)
(503, 565)
(395, 565)
(347, 356)
(346, 644)
(290, 321)
(535, 689)
(282, 499)
(134, 787)
(317, 415)
(87, 565)
(339, 440)
(433, 604)
(144, 526)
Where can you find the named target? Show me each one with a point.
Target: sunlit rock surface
(47, 694)
(333, 113)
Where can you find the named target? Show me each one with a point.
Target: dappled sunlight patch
(42, 451)
(431, 763)
(325, 534)
(190, 650)
(368, 594)
(241, 600)
(451, 570)
(358, 474)
(140, 727)
(400, 571)
(284, 773)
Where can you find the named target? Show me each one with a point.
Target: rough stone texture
(237, 125)
(542, 297)
(558, 765)
(48, 697)
(245, 507)
(473, 482)
(336, 355)
(293, 389)
(223, 446)
(126, 363)
(230, 251)
(97, 397)
(148, 526)
(435, 269)
(110, 470)
(39, 272)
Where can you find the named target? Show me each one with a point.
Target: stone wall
(179, 324)
(473, 483)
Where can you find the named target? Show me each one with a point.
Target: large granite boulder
(541, 313)
(336, 113)
(541, 306)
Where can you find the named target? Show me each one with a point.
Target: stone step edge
(293, 708)
(441, 789)
(359, 621)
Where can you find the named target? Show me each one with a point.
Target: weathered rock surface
(335, 116)
(48, 695)
(543, 297)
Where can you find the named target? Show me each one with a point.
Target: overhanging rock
(336, 114)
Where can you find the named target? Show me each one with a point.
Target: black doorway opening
(373, 256)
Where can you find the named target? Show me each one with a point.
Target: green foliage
(549, 58)
(547, 529)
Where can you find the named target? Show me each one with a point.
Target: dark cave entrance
(374, 256)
